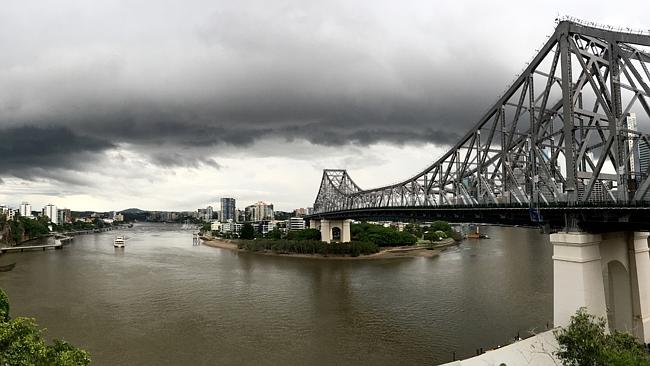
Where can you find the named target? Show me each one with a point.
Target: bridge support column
(345, 232)
(640, 283)
(608, 274)
(577, 276)
(335, 230)
(325, 231)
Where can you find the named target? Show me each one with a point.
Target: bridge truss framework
(561, 135)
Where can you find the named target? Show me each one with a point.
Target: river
(163, 301)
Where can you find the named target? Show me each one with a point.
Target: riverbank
(385, 253)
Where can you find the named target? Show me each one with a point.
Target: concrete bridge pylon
(333, 230)
(608, 274)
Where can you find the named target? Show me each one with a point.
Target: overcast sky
(169, 105)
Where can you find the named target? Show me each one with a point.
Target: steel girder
(559, 134)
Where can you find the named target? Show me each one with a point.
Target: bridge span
(561, 149)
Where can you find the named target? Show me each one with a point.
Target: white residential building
(265, 226)
(52, 213)
(296, 223)
(263, 211)
(25, 209)
(215, 226)
(230, 227)
(11, 213)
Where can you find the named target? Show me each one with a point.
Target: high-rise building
(644, 158)
(51, 212)
(208, 213)
(25, 209)
(249, 213)
(263, 211)
(300, 212)
(65, 216)
(227, 209)
(633, 144)
(4, 210)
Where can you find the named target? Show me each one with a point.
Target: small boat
(7, 267)
(476, 235)
(119, 242)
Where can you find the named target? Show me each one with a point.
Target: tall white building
(633, 143)
(52, 213)
(25, 209)
(263, 211)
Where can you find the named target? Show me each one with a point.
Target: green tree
(4, 306)
(440, 226)
(22, 343)
(247, 231)
(206, 227)
(380, 235)
(430, 236)
(275, 234)
(584, 343)
(414, 229)
(306, 234)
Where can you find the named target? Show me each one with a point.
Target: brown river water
(163, 301)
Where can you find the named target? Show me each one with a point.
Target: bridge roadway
(554, 217)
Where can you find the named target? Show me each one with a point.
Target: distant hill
(133, 211)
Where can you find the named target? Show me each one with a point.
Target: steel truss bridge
(560, 147)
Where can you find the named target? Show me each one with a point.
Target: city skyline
(368, 87)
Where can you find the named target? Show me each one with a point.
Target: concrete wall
(533, 351)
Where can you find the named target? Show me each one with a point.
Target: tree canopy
(22, 343)
(380, 235)
(584, 342)
(305, 234)
(247, 231)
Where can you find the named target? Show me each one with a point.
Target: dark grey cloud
(33, 151)
(178, 82)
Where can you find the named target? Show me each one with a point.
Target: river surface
(163, 301)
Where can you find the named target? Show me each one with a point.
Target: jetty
(57, 245)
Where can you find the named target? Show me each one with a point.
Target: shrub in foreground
(584, 343)
(22, 343)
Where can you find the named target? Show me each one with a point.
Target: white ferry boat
(119, 241)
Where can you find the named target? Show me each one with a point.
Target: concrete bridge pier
(609, 274)
(332, 230)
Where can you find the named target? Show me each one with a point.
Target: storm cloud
(219, 73)
(183, 83)
(25, 150)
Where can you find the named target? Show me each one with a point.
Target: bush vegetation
(584, 342)
(380, 235)
(441, 230)
(308, 247)
(306, 234)
(22, 228)
(22, 343)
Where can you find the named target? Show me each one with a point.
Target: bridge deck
(590, 218)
